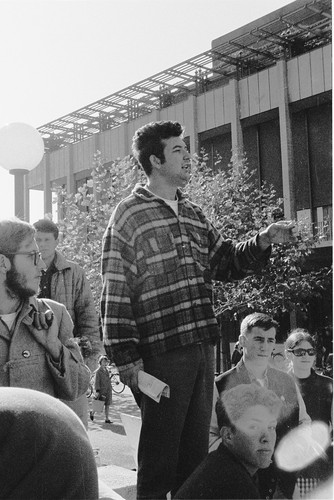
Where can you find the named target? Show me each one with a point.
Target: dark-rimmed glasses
(36, 255)
(302, 352)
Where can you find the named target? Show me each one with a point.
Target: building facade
(264, 90)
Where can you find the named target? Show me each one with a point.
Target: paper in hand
(152, 387)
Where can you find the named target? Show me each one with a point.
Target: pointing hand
(278, 232)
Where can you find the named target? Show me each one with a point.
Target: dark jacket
(102, 384)
(317, 393)
(284, 386)
(281, 383)
(221, 475)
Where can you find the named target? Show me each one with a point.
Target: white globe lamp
(21, 150)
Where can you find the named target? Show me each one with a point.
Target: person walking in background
(237, 354)
(160, 255)
(102, 386)
(257, 338)
(247, 417)
(317, 393)
(65, 282)
(36, 349)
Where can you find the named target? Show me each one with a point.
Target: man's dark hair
(47, 226)
(232, 404)
(148, 139)
(12, 233)
(260, 320)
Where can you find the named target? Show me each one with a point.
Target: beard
(16, 285)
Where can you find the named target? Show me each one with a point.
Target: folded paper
(152, 386)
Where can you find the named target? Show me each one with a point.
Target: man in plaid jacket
(160, 255)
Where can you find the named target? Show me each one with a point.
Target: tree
(239, 209)
(233, 202)
(85, 214)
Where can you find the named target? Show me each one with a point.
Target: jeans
(175, 432)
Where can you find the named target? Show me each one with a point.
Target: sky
(60, 55)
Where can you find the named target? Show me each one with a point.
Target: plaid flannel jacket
(157, 270)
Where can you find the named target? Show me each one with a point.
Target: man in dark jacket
(65, 282)
(257, 338)
(247, 417)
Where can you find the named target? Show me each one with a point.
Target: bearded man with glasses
(36, 350)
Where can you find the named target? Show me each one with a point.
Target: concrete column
(236, 130)
(193, 124)
(47, 185)
(97, 148)
(286, 142)
(26, 200)
(125, 149)
(19, 175)
(69, 174)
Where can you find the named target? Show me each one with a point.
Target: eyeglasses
(36, 255)
(302, 352)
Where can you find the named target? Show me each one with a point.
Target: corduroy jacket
(25, 363)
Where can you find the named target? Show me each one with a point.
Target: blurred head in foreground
(247, 418)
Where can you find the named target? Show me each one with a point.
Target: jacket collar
(60, 262)
(141, 192)
(243, 369)
(29, 306)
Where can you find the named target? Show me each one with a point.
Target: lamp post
(21, 150)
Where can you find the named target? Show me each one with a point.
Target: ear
(226, 434)
(5, 264)
(242, 340)
(155, 161)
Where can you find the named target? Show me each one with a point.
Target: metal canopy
(299, 30)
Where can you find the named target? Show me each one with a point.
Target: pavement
(115, 447)
(116, 483)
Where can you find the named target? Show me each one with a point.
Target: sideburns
(15, 286)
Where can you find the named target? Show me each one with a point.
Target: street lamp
(21, 150)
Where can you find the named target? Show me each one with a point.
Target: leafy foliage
(85, 215)
(233, 202)
(239, 209)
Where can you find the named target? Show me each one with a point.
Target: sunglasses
(302, 352)
(36, 255)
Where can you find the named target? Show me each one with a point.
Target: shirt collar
(255, 379)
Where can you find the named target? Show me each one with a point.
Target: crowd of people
(160, 255)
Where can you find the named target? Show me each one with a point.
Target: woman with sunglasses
(317, 392)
